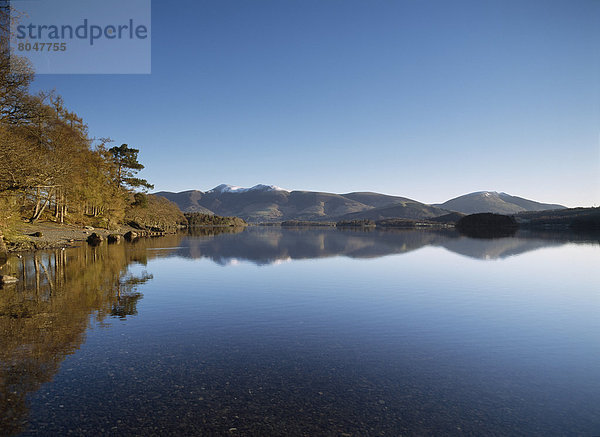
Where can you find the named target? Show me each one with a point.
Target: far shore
(41, 235)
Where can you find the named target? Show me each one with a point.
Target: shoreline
(25, 237)
(57, 236)
(53, 236)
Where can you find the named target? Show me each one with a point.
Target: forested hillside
(195, 219)
(51, 168)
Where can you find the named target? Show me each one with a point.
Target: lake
(304, 332)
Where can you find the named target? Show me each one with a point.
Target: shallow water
(269, 331)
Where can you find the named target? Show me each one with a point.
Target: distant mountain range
(269, 203)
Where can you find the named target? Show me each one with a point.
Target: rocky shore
(48, 235)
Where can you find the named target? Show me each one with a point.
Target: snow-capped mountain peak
(261, 187)
(224, 188)
(485, 193)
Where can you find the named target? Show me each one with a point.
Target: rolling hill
(409, 209)
(492, 201)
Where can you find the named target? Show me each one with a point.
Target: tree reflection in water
(44, 317)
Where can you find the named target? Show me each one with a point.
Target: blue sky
(424, 99)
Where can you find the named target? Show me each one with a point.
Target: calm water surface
(308, 332)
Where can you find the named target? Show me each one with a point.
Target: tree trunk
(60, 214)
(56, 205)
(39, 211)
(38, 200)
(3, 251)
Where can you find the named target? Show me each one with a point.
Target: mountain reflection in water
(44, 317)
(267, 245)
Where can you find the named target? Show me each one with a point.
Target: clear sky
(424, 99)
